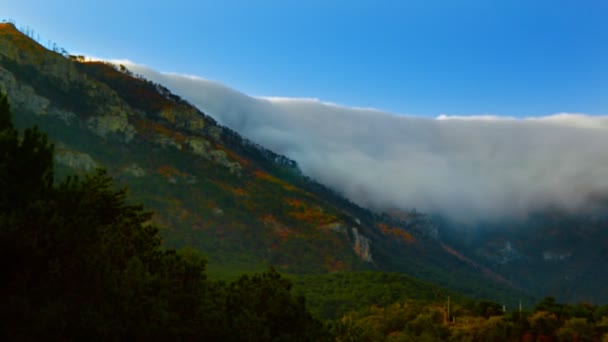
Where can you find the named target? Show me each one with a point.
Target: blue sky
(517, 58)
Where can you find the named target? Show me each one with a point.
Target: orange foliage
(27, 46)
(169, 171)
(333, 265)
(288, 187)
(234, 156)
(133, 87)
(313, 216)
(282, 231)
(269, 220)
(486, 271)
(295, 202)
(235, 191)
(267, 177)
(397, 232)
(238, 191)
(148, 127)
(303, 212)
(260, 174)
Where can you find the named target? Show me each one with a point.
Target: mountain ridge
(244, 206)
(534, 183)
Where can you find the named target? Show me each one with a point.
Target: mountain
(551, 252)
(244, 206)
(521, 197)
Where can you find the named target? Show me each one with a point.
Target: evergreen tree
(5, 113)
(79, 262)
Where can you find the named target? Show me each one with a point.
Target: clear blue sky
(421, 57)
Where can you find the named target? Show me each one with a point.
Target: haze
(466, 168)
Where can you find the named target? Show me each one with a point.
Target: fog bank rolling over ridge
(464, 167)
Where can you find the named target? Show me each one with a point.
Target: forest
(81, 261)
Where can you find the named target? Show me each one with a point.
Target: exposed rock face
(66, 116)
(202, 147)
(167, 142)
(336, 227)
(556, 256)
(361, 246)
(184, 117)
(102, 110)
(135, 171)
(508, 254)
(217, 211)
(23, 96)
(75, 160)
(221, 158)
(199, 146)
(108, 124)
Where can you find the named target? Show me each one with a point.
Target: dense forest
(82, 262)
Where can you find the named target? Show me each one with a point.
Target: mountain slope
(242, 205)
(553, 253)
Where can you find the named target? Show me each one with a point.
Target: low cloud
(464, 167)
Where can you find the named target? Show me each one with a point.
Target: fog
(464, 167)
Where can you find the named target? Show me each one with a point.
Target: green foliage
(261, 307)
(72, 96)
(331, 296)
(576, 329)
(548, 304)
(80, 262)
(5, 113)
(26, 167)
(487, 308)
(271, 214)
(426, 321)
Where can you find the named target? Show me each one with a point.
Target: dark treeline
(79, 262)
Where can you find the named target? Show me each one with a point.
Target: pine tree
(5, 113)
(79, 262)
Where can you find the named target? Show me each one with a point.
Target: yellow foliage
(332, 264)
(267, 177)
(397, 232)
(303, 212)
(169, 171)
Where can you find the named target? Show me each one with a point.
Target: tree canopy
(81, 262)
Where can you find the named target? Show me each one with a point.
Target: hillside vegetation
(82, 263)
(242, 206)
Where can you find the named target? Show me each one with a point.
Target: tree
(493, 329)
(71, 252)
(576, 329)
(261, 307)
(80, 262)
(550, 305)
(544, 322)
(5, 113)
(488, 309)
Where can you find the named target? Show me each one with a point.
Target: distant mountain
(549, 253)
(241, 204)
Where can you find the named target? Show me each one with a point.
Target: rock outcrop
(75, 160)
(361, 246)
